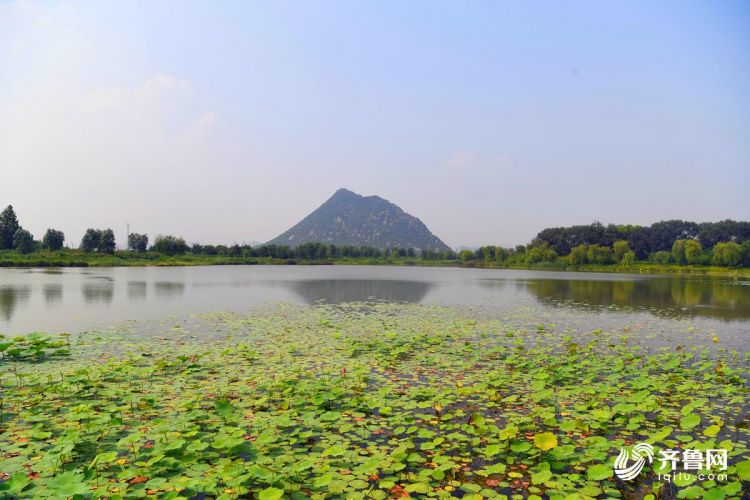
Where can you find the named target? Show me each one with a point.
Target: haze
(487, 120)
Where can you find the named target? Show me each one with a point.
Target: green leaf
(541, 476)
(743, 470)
(712, 431)
(599, 472)
(715, 494)
(418, 488)
(271, 494)
(334, 451)
(545, 441)
(690, 421)
(15, 483)
(68, 484)
(225, 409)
(683, 479)
(492, 450)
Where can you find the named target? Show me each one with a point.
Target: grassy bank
(75, 258)
(362, 401)
(637, 268)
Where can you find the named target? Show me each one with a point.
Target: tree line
(725, 243)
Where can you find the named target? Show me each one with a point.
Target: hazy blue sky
(228, 122)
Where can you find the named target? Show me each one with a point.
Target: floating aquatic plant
(364, 401)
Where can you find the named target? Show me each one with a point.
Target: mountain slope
(348, 218)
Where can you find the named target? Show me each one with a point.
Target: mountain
(348, 218)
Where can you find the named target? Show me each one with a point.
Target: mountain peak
(348, 218)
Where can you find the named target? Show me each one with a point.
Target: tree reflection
(337, 290)
(10, 296)
(712, 298)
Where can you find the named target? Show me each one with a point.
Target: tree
(535, 255)
(172, 245)
(466, 255)
(628, 259)
(90, 240)
(107, 241)
(53, 239)
(693, 252)
(138, 242)
(661, 257)
(727, 254)
(620, 248)
(578, 255)
(678, 252)
(23, 241)
(745, 249)
(8, 227)
(598, 254)
(501, 254)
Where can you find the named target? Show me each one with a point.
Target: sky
(228, 122)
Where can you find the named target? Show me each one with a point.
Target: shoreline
(124, 259)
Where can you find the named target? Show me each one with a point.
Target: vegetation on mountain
(349, 219)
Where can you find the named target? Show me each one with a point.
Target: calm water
(77, 299)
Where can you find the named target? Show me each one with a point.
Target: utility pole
(127, 235)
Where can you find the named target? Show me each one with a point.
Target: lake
(76, 299)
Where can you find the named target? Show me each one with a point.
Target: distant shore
(75, 258)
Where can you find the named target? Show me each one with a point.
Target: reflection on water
(102, 291)
(352, 290)
(137, 290)
(53, 293)
(76, 299)
(10, 296)
(711, 298)
(169, 288)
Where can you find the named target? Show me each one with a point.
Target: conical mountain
(348, 218)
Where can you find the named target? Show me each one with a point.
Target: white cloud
(463, 160)
(108, 146)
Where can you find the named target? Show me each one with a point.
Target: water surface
(74, 299)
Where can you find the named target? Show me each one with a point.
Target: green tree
(23, 241)
(727, 254)
(53, 239)
(598, 254)
(661, 257)
(466, 255)
(628, 259)
(172, 245)
(8, 227)
(488, 253)
(578, 255)
(138, 242)
(678, 252)
(693, 252)
(90, 240)
(107, 241)
(620, 248)
(501, 254)
(535, 255)
(745, 249)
